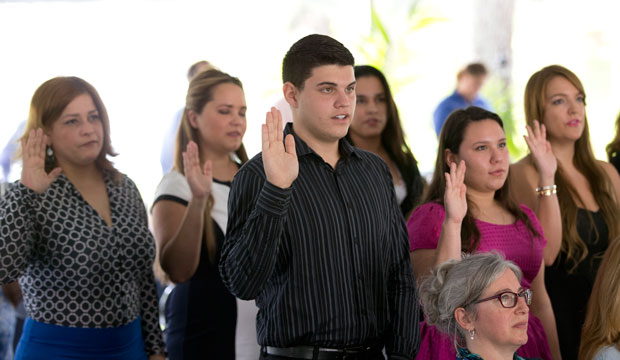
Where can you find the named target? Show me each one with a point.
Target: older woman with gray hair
(479, 302)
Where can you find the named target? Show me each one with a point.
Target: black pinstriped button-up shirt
(326, 259)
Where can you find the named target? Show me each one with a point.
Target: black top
(615, 160)
(326, 259)
(569, 292)
(201, 314)
(413, 183)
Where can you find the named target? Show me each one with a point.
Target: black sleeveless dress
(569, 292)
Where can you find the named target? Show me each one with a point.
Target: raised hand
(280, 162)
(199, 178)
(540, 148)
(454, 200)
(33, 163)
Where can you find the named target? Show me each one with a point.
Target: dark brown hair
(310, 52)
(392, 137)
(614, 146)
(450, 138)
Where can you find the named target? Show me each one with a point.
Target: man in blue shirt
(469, 82)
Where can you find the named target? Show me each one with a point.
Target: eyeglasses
(509, 299)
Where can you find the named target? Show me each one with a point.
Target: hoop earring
(471, 334)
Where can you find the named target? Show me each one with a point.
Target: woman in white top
(190, 216)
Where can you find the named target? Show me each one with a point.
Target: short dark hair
(474, 69)
(310, 52)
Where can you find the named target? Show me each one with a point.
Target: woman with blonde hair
(600, 336)
(190, 216)
(75, 233)
(577, 204)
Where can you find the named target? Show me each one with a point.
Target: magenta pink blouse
(514, 241)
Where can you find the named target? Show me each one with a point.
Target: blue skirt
(46, 341)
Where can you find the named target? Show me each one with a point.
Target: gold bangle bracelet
(547, 190)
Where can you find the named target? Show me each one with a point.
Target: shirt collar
(456, 93)
(344, 146)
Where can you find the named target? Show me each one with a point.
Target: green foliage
(385, 48)
(500, 97)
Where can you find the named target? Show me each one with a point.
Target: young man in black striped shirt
(314, 232)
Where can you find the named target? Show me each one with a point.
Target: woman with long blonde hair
(190, 216)
(601, 331)
(577, 204)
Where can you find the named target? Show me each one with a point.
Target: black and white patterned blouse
(73, 268)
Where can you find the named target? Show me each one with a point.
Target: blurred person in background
(469, 81)
(166, 158)
(613, 148)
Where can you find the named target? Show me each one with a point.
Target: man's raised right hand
(279, 159)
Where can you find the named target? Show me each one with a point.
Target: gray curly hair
(459, 284)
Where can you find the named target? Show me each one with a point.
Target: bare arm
(525, 180)
(541, 308)
(538, 170)
(449, 243)
(178, 234)
(178, 229)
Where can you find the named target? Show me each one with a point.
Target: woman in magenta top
(468, 208)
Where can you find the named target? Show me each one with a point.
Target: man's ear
(191, 116)
(290, 94)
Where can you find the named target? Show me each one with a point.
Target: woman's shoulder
(529, 212)
(173, 184)
(525, 166)
(424, 225)
(609, 168)
(429, 208)
(607, 353)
